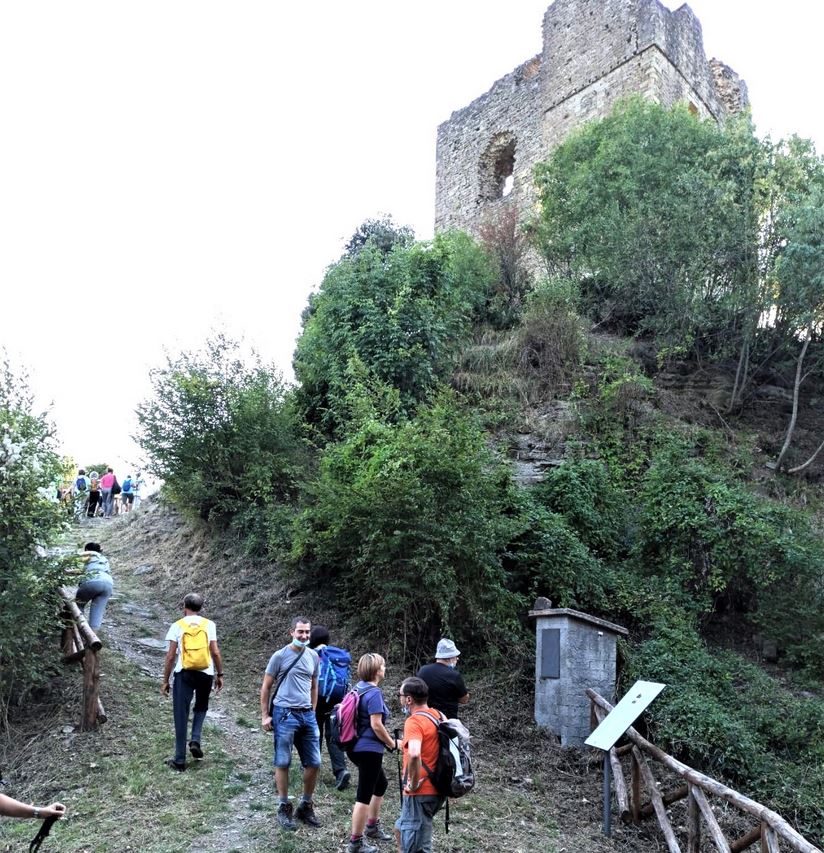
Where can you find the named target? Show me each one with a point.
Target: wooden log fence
(81, 644)
(771, 830)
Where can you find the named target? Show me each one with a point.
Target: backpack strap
(437, 724)
(288, 670)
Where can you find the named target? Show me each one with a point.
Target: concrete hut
(573, 651)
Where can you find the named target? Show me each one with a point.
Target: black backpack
(452, 775)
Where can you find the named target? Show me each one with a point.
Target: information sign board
(624, 714)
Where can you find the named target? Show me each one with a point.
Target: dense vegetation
(380, 479)
(30, 521)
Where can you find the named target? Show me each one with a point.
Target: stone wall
(594, 53)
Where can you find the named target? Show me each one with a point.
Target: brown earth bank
(530, 796)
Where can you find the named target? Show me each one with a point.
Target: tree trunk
(796, 386)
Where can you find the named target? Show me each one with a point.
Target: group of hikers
(302, 685)
(304, 690)
(93, 494)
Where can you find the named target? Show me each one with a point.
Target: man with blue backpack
(333, 682)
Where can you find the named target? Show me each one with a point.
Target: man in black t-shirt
(446, 685)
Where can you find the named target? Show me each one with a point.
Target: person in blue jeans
(190, 683)
(288, 697)
(97, 586)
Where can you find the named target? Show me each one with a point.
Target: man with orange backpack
(198, 667)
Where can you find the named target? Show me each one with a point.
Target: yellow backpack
(194, 645)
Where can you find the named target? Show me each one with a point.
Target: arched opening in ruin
(497, 167)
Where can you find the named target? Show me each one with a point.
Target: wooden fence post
(91, 687)
(693, 824)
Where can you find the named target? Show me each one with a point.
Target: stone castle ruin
(595, 52)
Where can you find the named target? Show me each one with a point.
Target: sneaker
(174, 765)
(194, 748)
(376, 833)
(361, 846)
(342, 780)
(285, 817)
(306, 813)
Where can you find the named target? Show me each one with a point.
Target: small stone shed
(573, 651)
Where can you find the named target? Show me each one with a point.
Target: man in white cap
(446, 685)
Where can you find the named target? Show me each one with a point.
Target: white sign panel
(624, 714)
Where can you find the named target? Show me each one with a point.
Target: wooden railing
(81, 644)
(771, 829)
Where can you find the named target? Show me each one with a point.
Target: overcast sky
(167, 168)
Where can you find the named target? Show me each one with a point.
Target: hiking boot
(375, 833)
(194, 748)
(361, 846)
(174, 765)
(342, 780)
(285, 817)
(306, 813)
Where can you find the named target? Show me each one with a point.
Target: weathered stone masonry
(594, 53)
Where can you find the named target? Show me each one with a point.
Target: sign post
(637, 699)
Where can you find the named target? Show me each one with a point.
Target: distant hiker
(107, 482)
(127, 495)
(367, 756)
(94, 494)
(9, 807)
(97, 586)
(80, 490)
(413, 829)
(198, 667)
(81, 484)
(446, 685)
(333, 682)
(290, 716)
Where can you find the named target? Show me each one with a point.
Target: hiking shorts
(295, 727)
(415, 823)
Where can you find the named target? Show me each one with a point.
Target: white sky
(167, 168)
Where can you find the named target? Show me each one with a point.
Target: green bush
(583, 493)
(221, 435)
(403, 529)
(727, 717)
(30, 521)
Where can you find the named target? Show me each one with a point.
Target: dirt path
(135, 626)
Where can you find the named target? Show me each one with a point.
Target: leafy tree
(30, 521)
(504, 238)
(801, 271)
(382, 233)
(403, 527)
(651, 210)
(403, 314)
(220, 432)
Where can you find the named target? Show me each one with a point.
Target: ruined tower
(595, 52)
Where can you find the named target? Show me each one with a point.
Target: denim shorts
(298, 728)
(415, 822)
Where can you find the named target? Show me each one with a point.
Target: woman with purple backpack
(367, 755)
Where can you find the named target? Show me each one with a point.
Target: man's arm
(314, 692)
(168, 666)
(413, 766)
(265, 690)
(464, 699)
(217, 659)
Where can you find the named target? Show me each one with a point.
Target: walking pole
(398, 758)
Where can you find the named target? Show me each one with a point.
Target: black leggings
(372, 781)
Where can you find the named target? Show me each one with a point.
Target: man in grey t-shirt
(290, 715)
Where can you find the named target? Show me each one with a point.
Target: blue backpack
(127, 485)
(333, 677)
